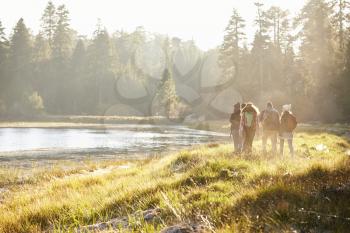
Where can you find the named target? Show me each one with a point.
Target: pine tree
(230, 49)
(100, 60)
(260, 45)
(48, 22)
(340, 20)
(80, 89)
(20, 62)
(317, 53)
(166, 94)
(2, 34)
(61, 52)
(278, 21)
(343, 87)
(262, 23)
(258, 53)
(62, 37)
(41, 51)
(3, 47)
(20, 45)
(79, 57)
(41, 65)
(273, 58)
(4, 50)
(316, 36)
(166, 91)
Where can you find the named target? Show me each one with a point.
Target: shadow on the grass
(317, 201)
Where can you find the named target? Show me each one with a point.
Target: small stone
(186, 228)
(114, 224)
(150, 214)
(120, 223)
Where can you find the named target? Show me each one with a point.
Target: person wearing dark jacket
(288, 125)
(235, 120)
(270, 120)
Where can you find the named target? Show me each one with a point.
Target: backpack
(249, 119)
(291, 123)
(270, 120)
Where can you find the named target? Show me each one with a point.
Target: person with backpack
(235, 120)
(288, 125)
(249, 125)
(270, 120)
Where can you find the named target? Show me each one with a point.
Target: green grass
(246, 193)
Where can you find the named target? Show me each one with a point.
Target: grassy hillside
(207, 185)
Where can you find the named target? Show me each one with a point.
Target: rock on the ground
(114, 224)
(186, 228)
(151, 214)
(120, 223)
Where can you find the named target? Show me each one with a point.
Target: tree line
(60, 72)
(302, 60)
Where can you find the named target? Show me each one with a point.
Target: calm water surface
(32, 144)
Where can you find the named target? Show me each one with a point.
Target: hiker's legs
(291, 148)
(281, 146)
(264, 140)
(250, 133)
(272, 135)
(242, 139)
(274, 141)
(246, 140)
(236, 140)
(239, 141)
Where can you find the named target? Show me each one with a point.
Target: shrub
(36, 102)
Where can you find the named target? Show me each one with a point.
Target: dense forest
(302, 60)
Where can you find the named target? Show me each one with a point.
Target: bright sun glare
(203, 21)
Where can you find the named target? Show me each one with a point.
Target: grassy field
(207, 185)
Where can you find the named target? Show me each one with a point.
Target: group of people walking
(246, 119)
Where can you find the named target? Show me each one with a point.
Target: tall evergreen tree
(100, 60)
(278, 21)
(166, 97)
(166, 94)
(4, 49)
(230, 49)
(20, 62)
(317, 53)
(262, 22)
(273, 57)
(80, 89)
(41, 65)
(260, 45)
(340, 21)
(62, 37)
(48, 22)
(2, 34)
(61, 52)
(343, 87)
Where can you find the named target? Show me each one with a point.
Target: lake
(28, 145)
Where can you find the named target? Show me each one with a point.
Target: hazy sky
(202, 20)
